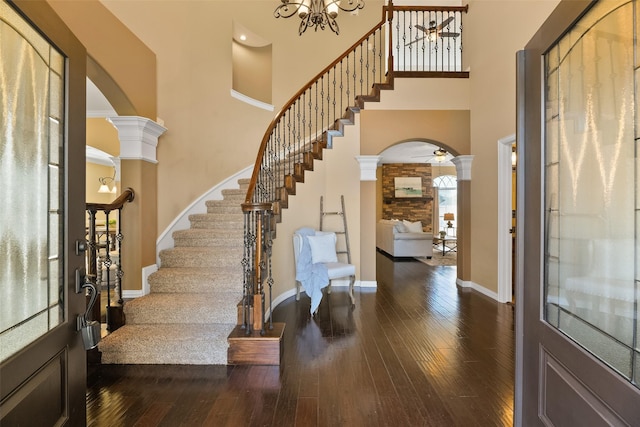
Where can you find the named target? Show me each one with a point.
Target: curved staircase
(192, 305)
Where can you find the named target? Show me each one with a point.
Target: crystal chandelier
(317, 13)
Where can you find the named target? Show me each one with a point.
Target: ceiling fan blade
(444, 23)
(448, 34)
(416, 41)
(425, 29)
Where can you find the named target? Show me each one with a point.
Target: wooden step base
(255, 349)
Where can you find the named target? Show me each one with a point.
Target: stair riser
(210, 217)
(194, 288)
(167, 344)
(213, 225)
(207, 242)
(170, 283)
(228, 234)
(180, 261)
(180, 314)
(234, 209)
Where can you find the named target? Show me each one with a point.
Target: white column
(463, 167)
(368, 166)
(138, 137)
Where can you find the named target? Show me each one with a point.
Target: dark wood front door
(42, 145)
(578, 357)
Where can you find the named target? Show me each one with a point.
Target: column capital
(368, 166)
(463, 167)
(138, 137)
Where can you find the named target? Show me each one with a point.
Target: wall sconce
(104, 184)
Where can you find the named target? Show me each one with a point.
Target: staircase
(192, 305)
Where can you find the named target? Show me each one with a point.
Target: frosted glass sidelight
(591, 253)
(31, 171)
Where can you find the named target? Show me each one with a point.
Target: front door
(42, 169)
(578, 330)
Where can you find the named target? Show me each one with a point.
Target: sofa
(403, 239)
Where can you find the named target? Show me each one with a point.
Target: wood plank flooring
(418, 351)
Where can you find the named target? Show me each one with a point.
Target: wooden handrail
(387, 17)
(294, 98)
(294, 139)
(431, 8)
(127, 196)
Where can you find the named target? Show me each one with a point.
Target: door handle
(81, 276)
(90, 329)
(81, 246)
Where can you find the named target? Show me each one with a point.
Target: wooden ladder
(343, 232)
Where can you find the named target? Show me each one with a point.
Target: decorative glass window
(32, 94)
(591, 186)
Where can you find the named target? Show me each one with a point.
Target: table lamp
(449, 217)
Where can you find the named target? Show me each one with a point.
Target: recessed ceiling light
(243, 37)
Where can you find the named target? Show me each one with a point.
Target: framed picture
(407, 186)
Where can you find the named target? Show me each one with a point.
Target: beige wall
(211, 135)
(500, 28)
(128, 75)
(337, 174)
(384, 128)
(252, 71)
(102, 135)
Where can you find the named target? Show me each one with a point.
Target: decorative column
(368, 168)
(138, 141)
(463, 170)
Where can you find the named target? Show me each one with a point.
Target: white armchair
(321, 250)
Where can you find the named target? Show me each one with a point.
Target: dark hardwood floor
(418, 351)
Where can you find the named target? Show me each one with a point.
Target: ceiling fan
(434, 30)
(438, 156)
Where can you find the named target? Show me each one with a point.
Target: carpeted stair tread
(234, 194)
(184, 344)
(189, 280)
(164, 308)
(223, 208)
(201, 257)
(208, 237)
(217, 221)
(192, 307)
(217, 217)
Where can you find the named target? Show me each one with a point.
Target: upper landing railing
(410, 41)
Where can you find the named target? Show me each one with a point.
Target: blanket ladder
(342, 232)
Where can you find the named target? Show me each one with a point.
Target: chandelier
(317, 13)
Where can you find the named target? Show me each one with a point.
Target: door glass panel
(31, 172)
(590, 186)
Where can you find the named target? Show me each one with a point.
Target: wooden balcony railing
(407, 42)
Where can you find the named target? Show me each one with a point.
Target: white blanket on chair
(313, 277)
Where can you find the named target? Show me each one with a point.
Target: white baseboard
(131, 294)
(279, 299)
(146, 272)
(369, 284)
(366, 283)
(469, 284)
(343, 283)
